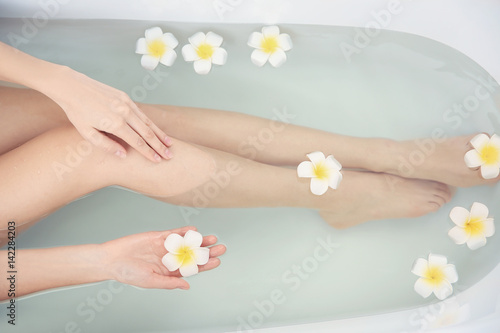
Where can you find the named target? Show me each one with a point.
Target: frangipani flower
(204, 50)
(436, 276)
(324, 172)
(156, 47)
(472, 227)
(185, 253)
(486, 154)
(269, 45)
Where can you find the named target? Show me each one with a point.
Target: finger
(167, 282)
(181, 231)
(106, 143)
(217, 250)
(127, 134)
(149, 136)
(209, 240)
(211, 264)
(159, 133)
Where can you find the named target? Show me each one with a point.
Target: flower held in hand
(324, 172)
(185, 253)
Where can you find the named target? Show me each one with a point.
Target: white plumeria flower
(486, 154)
(324, 172)
(436, 276)
(157, 47)
(204, 50)
(185, 253)
(472, 227)
(269, 45)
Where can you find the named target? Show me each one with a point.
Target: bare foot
(441, 160)
(365, 196)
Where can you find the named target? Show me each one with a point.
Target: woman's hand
(96, 109)
(136, 259)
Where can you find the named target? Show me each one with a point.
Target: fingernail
(157, 158)
(121, 154)
(168, 141)
(168, 153)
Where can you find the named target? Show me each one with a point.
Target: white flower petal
(277, 58)
(332, 163)
(423, 288)
(490, 171)
(197, 39)
(213, 39)
(219, 56)
(188, 270)
(459, 216)
(285, 42)
(170, 261)
(458, 235)
(149, 62)
(141, 47)
(437, 260)
(271, 31)
(189, 53)
(259, 57)
(319, 186)
(168, 58)
(202, 255)
(495, 141)
(170, 40)
(173, 243)
(479, 141)
(475, 242)
(473, 159)
(479, 210)
(444, 290)
(420, 267)
(305, 170)
(255, 40)
(316, 157)
(202, 66)
(450, 273)
(489, 227)
(335, 179)
(193, 238)
(153, 33)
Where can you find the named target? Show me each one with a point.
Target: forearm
(21, 68)
(41, 269)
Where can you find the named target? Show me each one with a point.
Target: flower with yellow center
(204, 50)
(486, 155)
(435, 276)
(324, 172)
(471, 227)
(269, 45)
(156, 48)
(185, 253)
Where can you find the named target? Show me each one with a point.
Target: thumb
(104, 142)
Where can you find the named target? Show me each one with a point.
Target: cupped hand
(97, 110)
(136, 259)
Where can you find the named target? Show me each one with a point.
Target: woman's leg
(59, 166)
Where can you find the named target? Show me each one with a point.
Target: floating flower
(156, 48)
(472, 227)
(325, 172)
(269, 45)
(486, 154)
(204, 50)
(436, 276)
(185, 253)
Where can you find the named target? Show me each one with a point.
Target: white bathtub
(471, 27)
